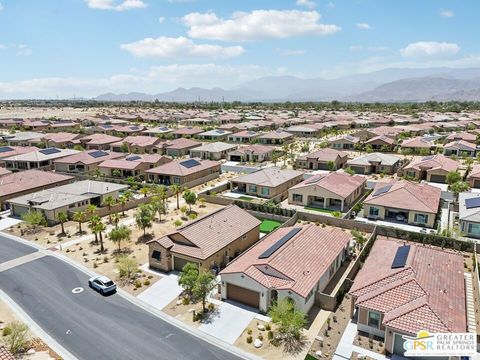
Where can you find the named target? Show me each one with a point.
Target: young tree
(188, 276)
(144, 218)
(202, 287)
(144, 191)
(62, 218)
(122, 233)
(127, 267)
(158, 206)
(453, 177)
(177, 190)
(331, 165)
(109, 201)
(34, 219)
(458, 187)
(190, 198)
(80, 217)
(290, 320)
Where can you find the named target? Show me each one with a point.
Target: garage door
(179, 263)
(235, 158)
(323, 166)
(476, 184)
(242, 295)
(358, 169)
(438, 178)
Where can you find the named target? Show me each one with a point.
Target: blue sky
(86, 47)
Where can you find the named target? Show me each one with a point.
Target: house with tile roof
(381, 143)
(131, 165)
(344, 142)
(403, 288)
(186, 132)
(469, 214)
(333, 191)
(403, 202)
(213, 151)
(465, 136)
(418, 144)
(251, 153)
(323, 159)
(211, 241)
(186, 173)
(460, 148)
(276, 137)
(179, 147)
(473, 177)
(98, 141)
(375, 163)
(138, 144)
(84, 162)
(245, 136)
(215, 134)
(432, 168)
(290, 263)
(42, 159)
(267, 183)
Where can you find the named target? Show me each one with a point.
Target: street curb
(150, 309)
(25, 318)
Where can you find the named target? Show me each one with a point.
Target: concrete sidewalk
(163, 292)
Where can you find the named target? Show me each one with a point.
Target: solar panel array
(50, 151)
(163, 129)
(5, 149)
(134, 128)
(267, 253)
(133, 158)
(401, 256)
(107, 126)
(190, 163)
(429, 157)
(98, 153)
(472, 203)
(382, 190)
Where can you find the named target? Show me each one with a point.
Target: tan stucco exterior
(411, 215)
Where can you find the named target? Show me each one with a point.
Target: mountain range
(388, 85)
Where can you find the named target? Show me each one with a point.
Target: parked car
(400, 217)
(102, 284)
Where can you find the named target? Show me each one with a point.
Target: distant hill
(388, 85)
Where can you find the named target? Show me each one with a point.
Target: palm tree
(122, 200)
(90, 210)
(115, 219)
(177, 190)
(109, 201)
(100, 228)
(80, 217)
(144, 191)
(62, 218)
(92, 224)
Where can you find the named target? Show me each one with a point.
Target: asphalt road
(89, 325)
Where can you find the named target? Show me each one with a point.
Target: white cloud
(3, 47)
(446, 13)
(363, 26)
(1, 7)
(116, 5)
(258, 24)
(355, 47)
(307, 3)
(291, 52)
(165, 47)
(23, 50)
(154, 80)
(430, 49)
(161, 19)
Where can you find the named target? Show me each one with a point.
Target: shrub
(146, 282)
(95, 265)
(270, 335)
(105, 259)
(138, 284)
(7, 331)
(211, 307)
(260, 337)
(18, 338)
(268, 327)
(177, 223)
(185, 301)
(249, 331)
(249, 340)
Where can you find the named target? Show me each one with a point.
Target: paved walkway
(163, 292)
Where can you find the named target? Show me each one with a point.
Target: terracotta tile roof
(271, 177)
(460, 145)
(326, 154)
(406, 195)
(211, 233)
(61, 137)
(338, 183)
(182, 143)
(417, 142)
(276, 134)
(8, 151)
(85, 157)
(30, 179)
(99, 139)
(383, 138)
(299, 264)
(462, 136)
(246, 133)
(433, 162)
(188, 131)
(140, 140)
(175, 167)
(475, 172)
(254, 149)
(427, 294)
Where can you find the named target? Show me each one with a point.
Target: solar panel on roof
(401, 256)
(98, 153)
(267, 253)
(163, 129)
(382, 190)
(5, 149)
(49, 151)
(190, 163)
(429, 157)
(133, 158)
(313, 180)
(107, 126)
(134, 127)
(472, 203)
(220, 131)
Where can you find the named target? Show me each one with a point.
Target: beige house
(324, 159)
(267, 183)
(374, 163)
(251, 153)
(139, 144)
(84, 162)
(473, 178)
(212, 151)
(404, 288)
(403, 202)
(211, 241)
(344, 142)
(333, 191)
(432, 168)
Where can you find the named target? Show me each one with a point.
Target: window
(474, 229)
(373, 319)
(421, 218)
(265, 191)
(176, 180)
(157, 255)
(297, 197)
(373, 211)
(252, 188)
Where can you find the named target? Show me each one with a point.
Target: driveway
(163, 292)
(6, 222)
(229, 321)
